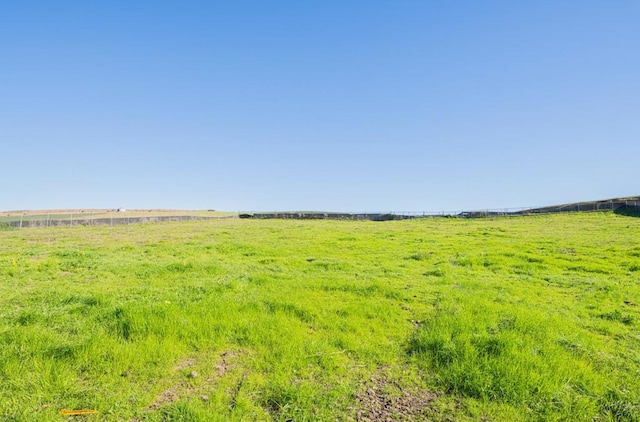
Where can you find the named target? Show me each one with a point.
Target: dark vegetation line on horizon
(629, 206)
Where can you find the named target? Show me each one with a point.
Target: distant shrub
(387, 217)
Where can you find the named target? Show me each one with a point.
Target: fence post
(21, 219)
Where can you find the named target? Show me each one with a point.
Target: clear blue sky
(318, 105)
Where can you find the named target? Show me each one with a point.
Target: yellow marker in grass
(68, 412)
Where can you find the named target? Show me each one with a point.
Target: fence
(632, 204)
(610, 205)
(26, 221)
(100, 219)
(328, 215)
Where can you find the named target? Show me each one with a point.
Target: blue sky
(331, 105)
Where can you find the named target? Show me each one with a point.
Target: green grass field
(524, 318)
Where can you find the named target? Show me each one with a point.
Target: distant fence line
(610, 205)
(328, 216)
(106, 221)
(87, 220)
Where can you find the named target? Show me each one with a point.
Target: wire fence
(97, 219)
(608, 205)
(25, 220)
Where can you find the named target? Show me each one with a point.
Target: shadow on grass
(627, 211)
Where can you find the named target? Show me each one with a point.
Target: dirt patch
(173, 393)
(569, 251)
(385, 400)
(170, 395)
(183, 388)
(225, 363)
(187, 363)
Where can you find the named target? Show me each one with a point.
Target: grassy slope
(509, 319)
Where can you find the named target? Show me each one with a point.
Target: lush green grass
(526, 318)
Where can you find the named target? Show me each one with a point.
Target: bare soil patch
(183, 388)
(384, 400)
(225, 363)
